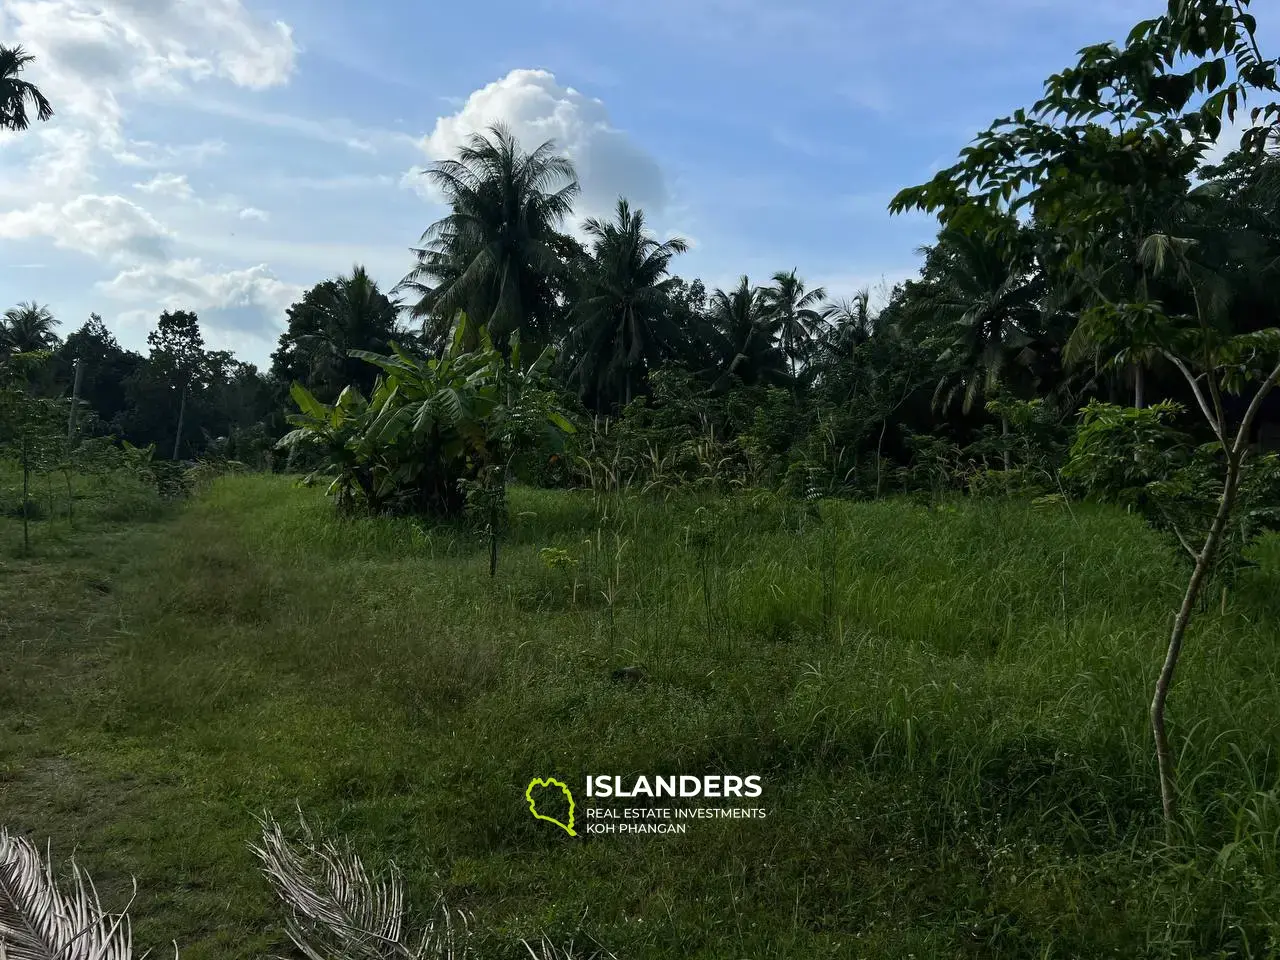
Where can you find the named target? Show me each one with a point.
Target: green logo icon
(533, 804)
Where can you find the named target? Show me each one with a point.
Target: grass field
(947, 707)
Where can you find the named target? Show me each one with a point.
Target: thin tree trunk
(74, 415)
(1204, 563)
(182, 415)
(1004, 433)
(1236, 452)
(884, 425)
(26, 495)
(1139, 386)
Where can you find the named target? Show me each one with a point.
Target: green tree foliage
(744, 337)
(32, 428)
(498, 255)
(979, 308)
(107, 371)
(430, 426)
(1163, 98)
(796, 315)
(16, 93)
(27, 328)
(332, 319)
(178, 357)
(624, 323)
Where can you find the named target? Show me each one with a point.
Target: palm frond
(40, 921)
(337, 911)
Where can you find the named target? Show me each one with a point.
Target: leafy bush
(1140, 459)
(432, 427)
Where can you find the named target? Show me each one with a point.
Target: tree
(178, 354)
(1164, 95)
(15, 93)
(27, 328)
(847, 324)
(108, 368)
(979, 307)
(795, 314)
(623, 324)
(745, 334)
(32, 428)
(497, 254)
(332, 319)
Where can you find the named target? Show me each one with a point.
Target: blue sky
(223, 155)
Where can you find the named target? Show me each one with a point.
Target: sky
(222, 156)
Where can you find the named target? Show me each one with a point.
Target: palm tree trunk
(182, 416)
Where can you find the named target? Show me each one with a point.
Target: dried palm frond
(544, 949)
(40, 922)
(339, 912)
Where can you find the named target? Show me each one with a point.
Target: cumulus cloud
(151, 43)
(536, 108)
(97, 60)
(95, 56)
(190, 284)
(108, 227)
(167, 185)
(253, 213)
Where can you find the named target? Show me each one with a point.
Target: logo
(639, 804)
(548, 784)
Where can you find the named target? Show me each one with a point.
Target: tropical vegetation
(979, 569)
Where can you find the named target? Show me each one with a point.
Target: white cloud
(144, 153)
(94, 53)
(341, 182)
(253, 213)
(108, 227)
(167, 185)
(191, 285)
(99, 61)
(536, 108)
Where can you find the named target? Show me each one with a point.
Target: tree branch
(1242, 437)
(1217, 426)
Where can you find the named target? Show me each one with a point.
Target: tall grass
(947, 706)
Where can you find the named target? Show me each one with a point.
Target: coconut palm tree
(979, 307)
(497, 254)
(347, 313)
(15, 93)
(847, 324)
(26, 328)
(745, 333)
(623, 323)
(794, 310)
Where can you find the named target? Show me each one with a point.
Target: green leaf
(561, 422)
(307, 403)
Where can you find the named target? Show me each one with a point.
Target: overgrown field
(947, 707)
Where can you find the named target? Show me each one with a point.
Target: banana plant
(430, 425)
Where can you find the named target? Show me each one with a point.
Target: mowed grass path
(948, 708)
